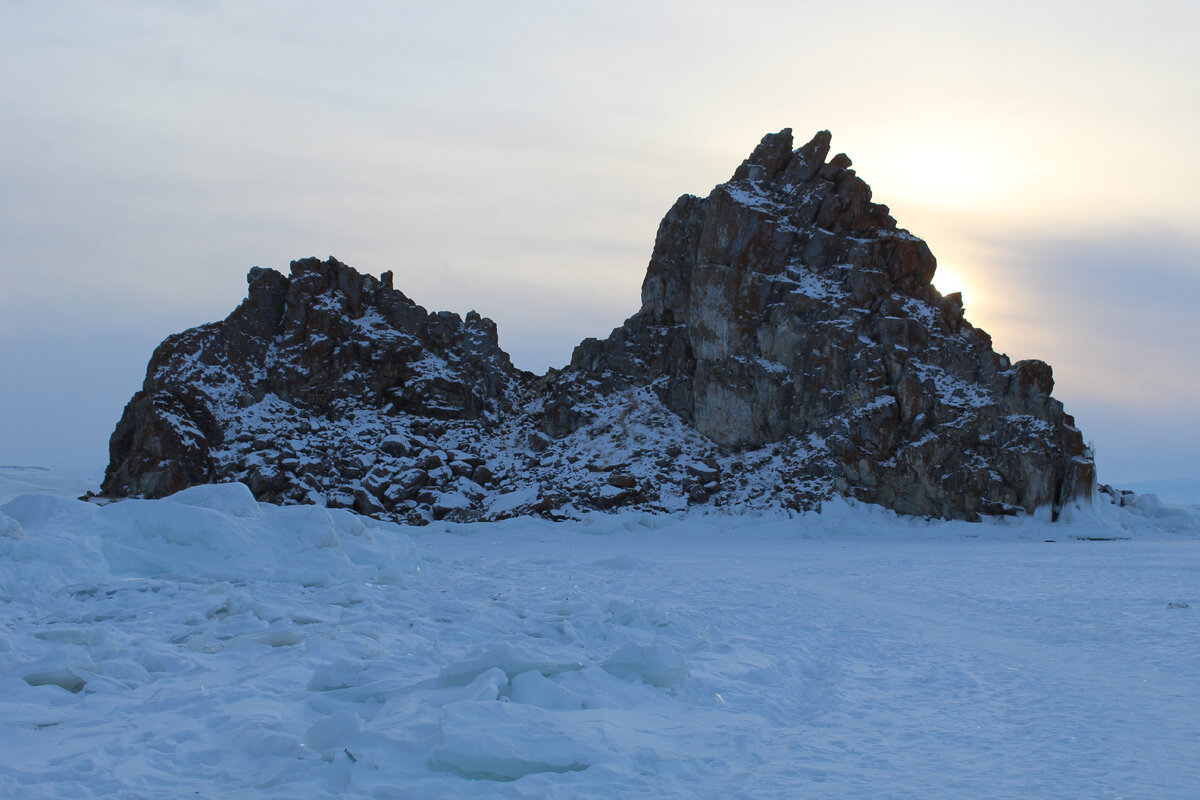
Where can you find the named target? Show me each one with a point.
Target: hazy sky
(516, 158)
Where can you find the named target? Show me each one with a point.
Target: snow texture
(208, 645)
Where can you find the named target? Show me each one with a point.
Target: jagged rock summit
(790, 347)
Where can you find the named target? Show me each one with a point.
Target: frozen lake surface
(207, 645)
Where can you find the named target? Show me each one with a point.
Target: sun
(948, 280)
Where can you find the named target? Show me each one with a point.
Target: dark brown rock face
(311, 350)
(786, 304)
(789, 347)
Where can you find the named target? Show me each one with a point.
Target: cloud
(1114, 312)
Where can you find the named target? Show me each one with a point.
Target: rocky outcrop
(787, 304)
(305, 353)
(790, 346)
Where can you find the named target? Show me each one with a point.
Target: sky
(516, 158)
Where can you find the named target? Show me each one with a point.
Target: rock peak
(790, 346)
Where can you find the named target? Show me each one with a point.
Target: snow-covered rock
(789, 342)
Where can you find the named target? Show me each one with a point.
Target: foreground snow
(208, 645)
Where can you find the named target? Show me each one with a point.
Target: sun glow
(948, 280)
(952, 170)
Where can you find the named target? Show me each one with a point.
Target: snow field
(209, 645)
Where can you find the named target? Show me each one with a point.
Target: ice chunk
(234, 499)
(63, 678)
(657, 664)
(339, 674)
(10, 527)
(506, 741)
(30, 509)
(535, 689)
(512, 658)
(333, 734)
(1166, 514)
(617, 562)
